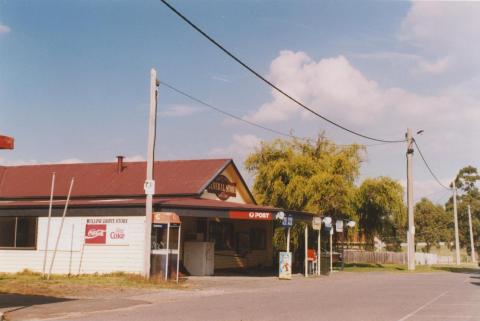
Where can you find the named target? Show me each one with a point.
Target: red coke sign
(95, 233)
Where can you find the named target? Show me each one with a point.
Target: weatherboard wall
(126, 257)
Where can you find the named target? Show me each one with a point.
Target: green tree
(312, 175)
(432, 224)
(379, 202)
(468, 194)
(315, 175)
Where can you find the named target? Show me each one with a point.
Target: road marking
(423, 306)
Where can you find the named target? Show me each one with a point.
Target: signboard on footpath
(285, 265)
(106, 231)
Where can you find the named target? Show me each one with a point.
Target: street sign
(317, 223)
(339, 226)
(149, 187)
(285, 265)
(287, 221)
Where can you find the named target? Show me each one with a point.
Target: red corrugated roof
(181, 177)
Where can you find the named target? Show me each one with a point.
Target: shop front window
(18, 232)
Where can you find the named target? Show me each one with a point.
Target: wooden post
(61, 228)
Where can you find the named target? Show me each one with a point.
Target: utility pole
(411, 222)
(149, 182)
(472, 244)
(455, 217)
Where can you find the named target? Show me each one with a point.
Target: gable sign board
(223, 188)
(246, 215)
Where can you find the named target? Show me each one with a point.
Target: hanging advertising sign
(339, 226)
(106, 231)
(6, 142)
(245, 215)
(285, 265)
(317, 223)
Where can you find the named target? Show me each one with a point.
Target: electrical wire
(191, 97)
(428, 166)
(281, 91)
(222, 111)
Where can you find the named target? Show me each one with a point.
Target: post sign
(287, 221)
(246, 215)
(339, 226)
(317, 223)
(285, 265)
(106, 231)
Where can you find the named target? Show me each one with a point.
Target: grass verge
(81, 286)
(367, 267)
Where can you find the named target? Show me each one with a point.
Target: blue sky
(74, 78)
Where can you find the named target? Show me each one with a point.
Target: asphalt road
(343, 296)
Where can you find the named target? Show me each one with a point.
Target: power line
(222, 111)
(428, 166)
(191, 97)
(281, 91)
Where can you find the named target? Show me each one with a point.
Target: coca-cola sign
(106, 231)
(96, 234)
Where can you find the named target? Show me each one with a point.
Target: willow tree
(314, 175)
(379, 202)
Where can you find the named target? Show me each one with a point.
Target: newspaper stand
(166, 236)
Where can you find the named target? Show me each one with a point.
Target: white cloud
(69, 161)
(436, 67)
(135, 158)
(19, 162)
(338, 90)
(179, 111)
(4, 29)
(386, 55)
(441, 29)
(241, 146)
(331, 86)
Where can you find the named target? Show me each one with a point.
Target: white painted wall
(96, 258)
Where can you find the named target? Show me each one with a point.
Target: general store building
(104, 228)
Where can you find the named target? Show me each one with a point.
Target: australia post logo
(95, 233)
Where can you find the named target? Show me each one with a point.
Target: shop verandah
(227, 239)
